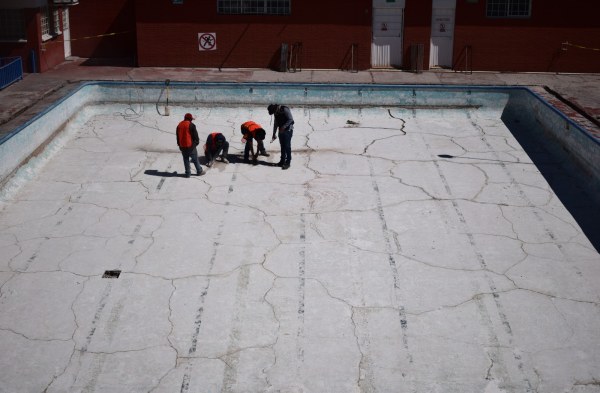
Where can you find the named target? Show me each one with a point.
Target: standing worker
(284, 123)
(250, 131)
(216, 144)
(187, 140)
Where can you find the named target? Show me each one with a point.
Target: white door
(442, 37)
(66, 32)
(388, 20)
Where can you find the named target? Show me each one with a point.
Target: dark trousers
(190, 153)
(223, 151)
(285, 141)
(260, 147)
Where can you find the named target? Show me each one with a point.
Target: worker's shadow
(154, 172)
(239, 159)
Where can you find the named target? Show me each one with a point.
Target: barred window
(56, 21)
(12, 25)
(45, 20)
(508, 8)
(255, 7)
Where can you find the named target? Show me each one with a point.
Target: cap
(188, 116)
(272, 108)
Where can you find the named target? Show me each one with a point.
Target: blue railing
(11, 70)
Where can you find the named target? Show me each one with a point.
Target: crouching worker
(216, 144)
(187, 140)
(251, 131)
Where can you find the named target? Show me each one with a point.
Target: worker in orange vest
(250, 131)
(187, 140)
(216, 144)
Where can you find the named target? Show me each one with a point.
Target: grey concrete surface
(376, 263)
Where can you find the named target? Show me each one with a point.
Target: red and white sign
(207, 41)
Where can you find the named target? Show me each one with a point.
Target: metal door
(388, 20)
(442, 37)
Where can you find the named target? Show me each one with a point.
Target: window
(256, 7)
(65, 17)
(56, 20)
(12, 25)
(50, 27)
(508, 8)
(45, 20)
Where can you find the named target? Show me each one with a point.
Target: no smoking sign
(207, 41)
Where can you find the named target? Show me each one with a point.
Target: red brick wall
(254, 41)
(530, 44)
(160, 33)
(91, 23)
(47, 54)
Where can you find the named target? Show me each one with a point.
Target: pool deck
(435, 259)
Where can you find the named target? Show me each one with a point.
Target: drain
(111, 274)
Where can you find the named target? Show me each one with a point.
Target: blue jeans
(260, 147)
(285, 141)
(191, 153)
(211, 155)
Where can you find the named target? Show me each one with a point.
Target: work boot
(187, 175)
(210, 163)
(224, 160)
(280, 163)
(285, 166)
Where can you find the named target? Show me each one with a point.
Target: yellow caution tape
(86, 38)
(580, 46)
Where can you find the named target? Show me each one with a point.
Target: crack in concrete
(365, 376)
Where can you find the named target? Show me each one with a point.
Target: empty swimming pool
(424, 239)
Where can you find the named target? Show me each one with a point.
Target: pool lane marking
(392, 262)
(481, 260)
(185, 383)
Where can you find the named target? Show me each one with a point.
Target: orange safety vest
(184, 136)
(213, 141)
(251, 127)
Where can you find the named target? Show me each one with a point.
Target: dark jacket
(283, 119)
(212, 139)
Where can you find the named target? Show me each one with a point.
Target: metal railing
(350, 60)
(417, 52)
(11, 70)
(295, 64)
(466, 56)
(353, 58)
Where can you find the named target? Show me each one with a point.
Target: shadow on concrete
(574, 186)
(154, 172)
(239, 159)
(110, 62)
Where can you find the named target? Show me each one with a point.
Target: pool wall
(21, 144)
(539, 115)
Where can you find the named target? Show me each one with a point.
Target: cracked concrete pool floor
(372, 265)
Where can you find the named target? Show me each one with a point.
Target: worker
(187, 140)
(216, 144)
(250, 131)
(284, 123)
